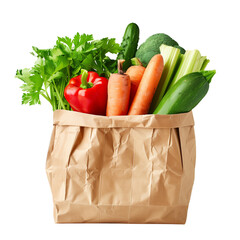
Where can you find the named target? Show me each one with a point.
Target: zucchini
(186, 93)
(129, 45)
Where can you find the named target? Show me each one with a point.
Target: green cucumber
(129, 45)
(186, 93)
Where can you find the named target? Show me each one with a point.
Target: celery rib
(170, 59)
(192, 61)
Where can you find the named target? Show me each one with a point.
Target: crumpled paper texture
(121, 169)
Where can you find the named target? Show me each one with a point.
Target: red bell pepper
(87, 93)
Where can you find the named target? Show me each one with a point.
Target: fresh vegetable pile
(158, 77)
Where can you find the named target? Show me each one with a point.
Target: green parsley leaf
(65, 40)
(54, 67)
(30, 98)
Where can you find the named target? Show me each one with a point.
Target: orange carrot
(119, 86)
(135, 73)
(147, 86)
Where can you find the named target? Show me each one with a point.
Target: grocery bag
(121, 169)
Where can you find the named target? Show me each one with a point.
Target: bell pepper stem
(84, 74)
(84, 83)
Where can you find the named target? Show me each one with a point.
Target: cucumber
(185, 94)
(129, 45)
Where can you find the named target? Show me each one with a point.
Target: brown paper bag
(123, 169)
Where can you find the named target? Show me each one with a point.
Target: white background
(26, 210)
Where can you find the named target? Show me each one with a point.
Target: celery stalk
(170, 59)
(199, 63)
(205, 63)
(192, 61)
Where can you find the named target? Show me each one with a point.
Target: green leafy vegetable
(56, 66)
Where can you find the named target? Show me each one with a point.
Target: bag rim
(72, 118)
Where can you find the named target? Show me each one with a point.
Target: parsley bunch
(56, 66)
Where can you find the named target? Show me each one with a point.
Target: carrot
(135, 73)
(147, 86)
(119, 86)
